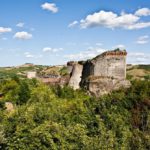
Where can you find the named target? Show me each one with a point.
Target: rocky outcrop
(70, 65)
(98, 86)
(102, 74)
(108, 64)
(76, 76)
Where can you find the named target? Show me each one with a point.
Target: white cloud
(139, 25)
(23, 35)
(73, 24)
(54, 50)
(120, 46)
(4, 30)
(50, 7)
(20, 24)
(109, 20)
(87, 54)
(143, 39)
(143, 12)
(28, 55)
(112, 20)
(47, 49)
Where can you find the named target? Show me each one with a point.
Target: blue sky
(51, 32)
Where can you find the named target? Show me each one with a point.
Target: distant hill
(133, 71)
(138, 71)
(20, 71)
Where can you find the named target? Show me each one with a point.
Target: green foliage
(147, 77)
(65, 92)
(129, 77)
(63, 71)
(16, 91)
(7, 73)
(60, 118)
(146, 67)
(2, 138)
(2, 105)
(24, 93)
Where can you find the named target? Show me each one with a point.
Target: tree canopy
(57, 118)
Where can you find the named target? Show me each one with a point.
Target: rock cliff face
(103, 85)
(76, 75)
(102, 74)
(108, 64)
(70, 66)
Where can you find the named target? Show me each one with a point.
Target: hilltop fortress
(100, 75)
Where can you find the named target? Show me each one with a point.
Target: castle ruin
(102, 74)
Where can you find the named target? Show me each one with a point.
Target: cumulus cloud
(50, 7)
(143, 12)
(53, 50)
(20, 24)
(109, 20)
(4, 30)
(23, 35)
(73, 24)
(139, 25)
(143, 39)
(113, 20)
(87, 54)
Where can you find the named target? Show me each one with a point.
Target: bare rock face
(108, 64)
(70, 65)
(102, 74)
(103, 85)
(76, 76)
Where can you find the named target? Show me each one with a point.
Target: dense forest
(55, 118)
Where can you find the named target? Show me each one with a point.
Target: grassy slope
(20, 71)
(138, 71)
